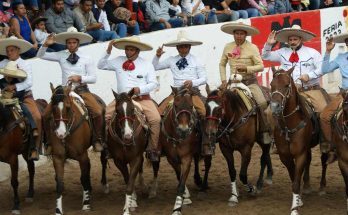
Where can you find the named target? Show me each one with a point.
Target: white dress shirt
(143, 76)
(26, 67)
(194, 72)
(309, 62)
(40, 36)
(84, 67)
(103, 19)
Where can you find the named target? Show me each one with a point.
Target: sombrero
(23, 45)
(11, 69)
(182, 39)
(72, 33)
(341, 38)
(231, 27)
(295, 30)
(133, 41)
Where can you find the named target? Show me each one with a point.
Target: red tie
(128, 65)
(294, 57)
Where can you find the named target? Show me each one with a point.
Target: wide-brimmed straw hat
(230, 28)
(23, 45)
(295, 30)
(72, 33)
(133, 41)
(341, 38)
(11, 70)
(182, 39)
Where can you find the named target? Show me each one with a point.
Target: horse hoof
(233, 201)
(152, 194)
(177, 213)
(86, 207)
(187, 201)
(106, 188)
(295, 212)
(126, 212)
(307, 190)
(268, 181)
(232, 204)
(16, 212)
(29, 199)
(132, 209)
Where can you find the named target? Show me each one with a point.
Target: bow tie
(128, 65)
(182, 63)
(294, 57)
(73, 58)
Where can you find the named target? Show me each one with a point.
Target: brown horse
(178, 139)
(238, 131)
(126, 141)
(70, 136)
(339, 124)
(296, 132)
(15, 140)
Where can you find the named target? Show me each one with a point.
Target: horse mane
(123, 97)
(214, 93)
(58, 95)
(235, 102)
(6, 115)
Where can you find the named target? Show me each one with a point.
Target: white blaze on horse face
(61, 130)
(212, 105)
(128, 132)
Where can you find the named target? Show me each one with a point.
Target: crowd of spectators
(33, 20)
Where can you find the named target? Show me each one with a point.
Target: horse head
(125, 116)
(213, 106)
(282, 89)
(183, 114)
(61, 110)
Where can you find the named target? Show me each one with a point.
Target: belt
(142, 97)
(308, 88)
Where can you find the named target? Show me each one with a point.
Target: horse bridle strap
(288, 131)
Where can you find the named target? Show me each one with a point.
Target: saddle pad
(306, 106)
(244, 95)
(139, 113)
(6, 102)
(241, 86)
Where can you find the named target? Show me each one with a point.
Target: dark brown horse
(238, 130)
(295, 134)
(178, 139)
(126, 141)
(14, 140)
(339, 126)
(70, 136)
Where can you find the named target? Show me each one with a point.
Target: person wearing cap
(12, 48)
(135, 73)
(244, 58)
(79, 69)
(187, 70)
(40, 32)
(340, 62)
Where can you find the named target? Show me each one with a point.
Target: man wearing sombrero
(135, 73)
(244, 59)
(79, 69)
(12, 48)
(307, 62)
(187, 70)
(340, 62)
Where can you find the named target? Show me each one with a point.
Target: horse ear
(115, 94)
(343, 92)
(52, 87)
(274, 69)
(131, 93)
(69, 87)
(291, 70)
(207, 88)
(174, 90)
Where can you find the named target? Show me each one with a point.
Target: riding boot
(332, 154)
(34, 154)
(264, 127)
(99, 131)
(151, 153)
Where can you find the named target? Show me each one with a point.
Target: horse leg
(85, 167)
(14, 182)
(306, 179)
(183, 195)
(197, 176)
(300, 162)
(31, 170)
(131, 198)
(324, 157)
(228, 154)
(103, 181)
(207, 165)
(344, 171)
(58, 163)
(141, 182)
(243, 174)
(265, 161)
(154, 184)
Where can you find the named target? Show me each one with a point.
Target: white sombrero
(23, 45)
(133, 41)
(295, 30)
(11, 70)
(341, 38)
(231, 27)
(182, 39)
(72, 33)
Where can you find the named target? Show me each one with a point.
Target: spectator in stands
(316, 4)
(120, 16)
(100, 14)
(71, 4)
(256, 7)
(234, 5)
(198, 12)
(20, 27)
(93, 28)
(158, 12)
(40, 32)
(223, 12)
(281, 6)
(175, 11)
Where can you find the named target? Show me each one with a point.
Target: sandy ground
(275, 199)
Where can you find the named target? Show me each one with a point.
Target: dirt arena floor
(275, 199)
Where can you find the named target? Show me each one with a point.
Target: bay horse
(15, 140)
(339, 127)
(238, 131)
(70, 136)
(296, 132)
(178, 140)
(126, 140)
